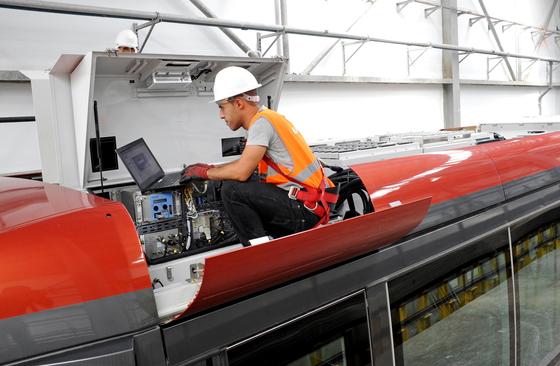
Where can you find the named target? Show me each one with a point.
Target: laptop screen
(141, 163)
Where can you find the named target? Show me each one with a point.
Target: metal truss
(474, 16)
(541, 33)
(496, 37)
(327, 50)
(153, 18)
(549, 17)
(136, 27)
(491, 64)
(412, 55)
(232, 36)
(345, 60)
(525, 70)
(463, 56)
(261, 36)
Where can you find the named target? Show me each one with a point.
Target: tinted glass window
(336, 335)
(537, 268)
(455, 311)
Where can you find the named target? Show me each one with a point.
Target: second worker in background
(291, 193)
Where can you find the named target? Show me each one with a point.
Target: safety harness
(320, 200)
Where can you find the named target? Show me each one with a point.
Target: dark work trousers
(258, 209)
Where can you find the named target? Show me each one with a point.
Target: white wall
(19, 146)
(505, 104)
(33, 41)
(374, 59)
(344, 111)
(15, 99)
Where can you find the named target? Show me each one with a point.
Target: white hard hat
(232, 81)
(126, 38)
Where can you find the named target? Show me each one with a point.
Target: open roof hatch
(162, 98)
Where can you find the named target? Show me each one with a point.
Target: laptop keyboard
(168, 181)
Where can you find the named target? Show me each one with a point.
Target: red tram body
(76, 288)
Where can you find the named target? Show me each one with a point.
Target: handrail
(17, 119)
(61, 8)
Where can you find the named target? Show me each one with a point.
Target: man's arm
(241, 169)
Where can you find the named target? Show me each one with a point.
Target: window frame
(519, 229)
(319, 312)
(398, 287)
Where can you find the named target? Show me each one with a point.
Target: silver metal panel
(528, 206)
(32, 334)
(148, 348)
(115, 351)
(531, 183)
(452, 209)
(380, 325)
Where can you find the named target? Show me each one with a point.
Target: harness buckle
(292, 192)
(312, 209)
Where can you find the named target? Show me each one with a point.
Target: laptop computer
(144, 168)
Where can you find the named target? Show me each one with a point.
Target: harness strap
(314, 195)
(318, 201)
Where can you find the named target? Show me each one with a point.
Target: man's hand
(196, 171)
(240, 170)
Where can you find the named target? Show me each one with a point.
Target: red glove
(195, 171)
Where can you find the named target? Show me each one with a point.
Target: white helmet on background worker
(232, 81)
(126, 39)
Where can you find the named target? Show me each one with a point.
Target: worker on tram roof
(291, 192)
(126, 42)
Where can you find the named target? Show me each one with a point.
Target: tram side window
(455, 311)
(536, 252)
(336, 335)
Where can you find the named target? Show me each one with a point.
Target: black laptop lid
(141, 163)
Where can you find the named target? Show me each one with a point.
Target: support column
(450, 64)
(285, 43)
(278, 19)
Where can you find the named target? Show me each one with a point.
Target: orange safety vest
(307, 171)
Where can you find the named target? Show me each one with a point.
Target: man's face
(124, 49)
(231, 113)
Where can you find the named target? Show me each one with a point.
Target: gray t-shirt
(261, 133)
